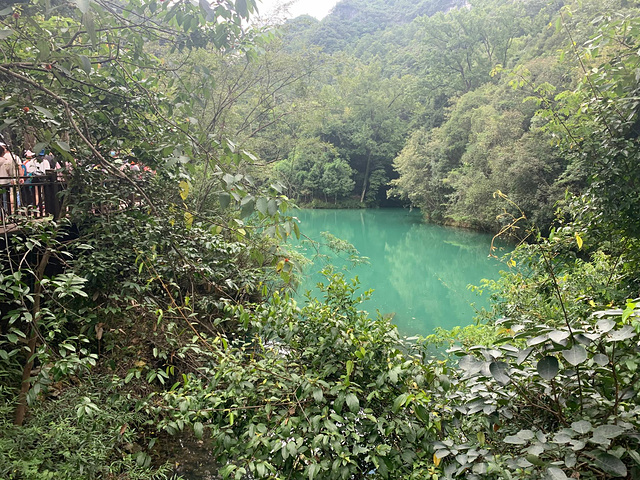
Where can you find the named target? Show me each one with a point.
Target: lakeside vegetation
(156, 307)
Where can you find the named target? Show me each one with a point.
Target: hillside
(351, 20)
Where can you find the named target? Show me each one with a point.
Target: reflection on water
(420, 272)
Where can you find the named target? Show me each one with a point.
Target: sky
(315, 8)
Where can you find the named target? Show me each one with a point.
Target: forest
(151, 318)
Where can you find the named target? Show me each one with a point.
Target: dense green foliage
(155, 308)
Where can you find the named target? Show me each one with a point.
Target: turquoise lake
(420, 273)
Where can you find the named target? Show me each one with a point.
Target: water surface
(420, 272)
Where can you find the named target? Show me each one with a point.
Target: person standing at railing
(37, 166)
(28, 195)
(9, 175)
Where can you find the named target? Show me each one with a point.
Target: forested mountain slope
(351, 20)
(436, 105)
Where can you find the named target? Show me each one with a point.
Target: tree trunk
(21, 409)
(365, 182)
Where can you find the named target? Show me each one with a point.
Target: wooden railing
(36, 196)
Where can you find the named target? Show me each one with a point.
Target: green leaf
(548, 367)
(272, 207)
(352, 402)
(224, 199)
(261, 205)
(349, 367)
(89, 22)
(554, 473)
(241, 8)
(581, 427)
(206, 7)
(605, 325)
(558, 23)
(247, 209)
(227, 470)
(229, 179)
(40, 146)
(625, 333)
(6, 33)
(635, 455)
(523, 354)
(608, 431)
(85, 63)
(576, 355)
(531, 458)
(559, 336)
(399, 402)
(526, 434)
(313, 470)
(198, 429)
(83, 5)
(514, 440)
(262, 469)
(537, 340)
(611, 465)
(45, 112)
(63, 145)
(500, 371)
(318, 395)
(422, 413)
(601, 359)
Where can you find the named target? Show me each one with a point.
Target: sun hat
(29, 153)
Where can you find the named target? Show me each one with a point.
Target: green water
(420, 272)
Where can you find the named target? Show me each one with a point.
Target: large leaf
(85, 63)
(559, 336)
(608, 431)
(605, 325)
(261, 205)
(532, 342)
(611, 465)
(581, 427)
(526, 434)
(352, 402)
(242, 8)
(523, 354)
(500, 371)
(470, 364)
(247, 209)
(225, 199)
(6, 33)
(63, 145)
(624, 333)
(198, 429)
(514, 440)
(548, 367)
(45, 112)
(83, 5)
(554, 473)
(601, 359)
(576, 355)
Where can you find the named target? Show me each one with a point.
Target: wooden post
(51, 201)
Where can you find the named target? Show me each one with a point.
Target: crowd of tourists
(19, 182)
(23, 172)
(13, 169)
